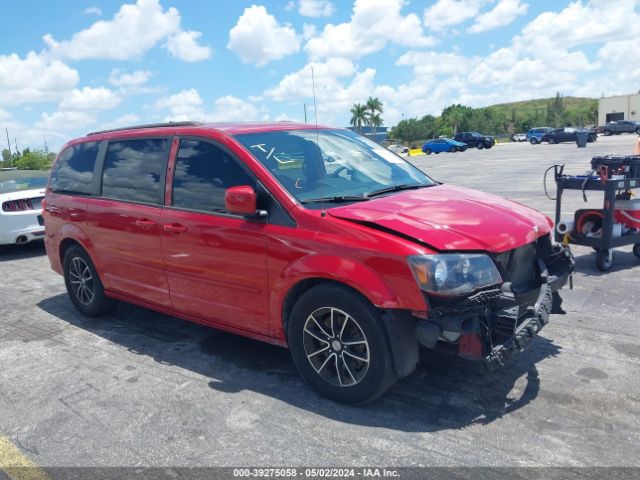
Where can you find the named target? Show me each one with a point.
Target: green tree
(455, 117)
(375, 121)
(6, 158)
(374, 107)
(33, 160)
(556, 111)
(359, 116)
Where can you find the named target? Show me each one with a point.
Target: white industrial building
(620, 107)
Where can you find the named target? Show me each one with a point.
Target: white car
(21, 195)
(398, 149)
(519, 137)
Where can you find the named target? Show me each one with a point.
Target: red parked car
(316, 239)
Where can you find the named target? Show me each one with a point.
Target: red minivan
(314, 238)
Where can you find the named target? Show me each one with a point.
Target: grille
(521, 266)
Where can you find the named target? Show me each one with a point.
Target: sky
(74, 66)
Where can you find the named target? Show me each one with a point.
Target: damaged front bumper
(493, 324)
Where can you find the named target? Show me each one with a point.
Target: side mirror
(240, 200)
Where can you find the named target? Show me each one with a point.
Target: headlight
(454, 274)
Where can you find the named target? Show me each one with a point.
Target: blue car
(438, 145)
(534, 136)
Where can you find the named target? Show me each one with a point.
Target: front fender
(352, 273)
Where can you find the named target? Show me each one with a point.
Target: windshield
(18, 180)
(331, 165)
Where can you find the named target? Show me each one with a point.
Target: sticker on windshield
(270, 153)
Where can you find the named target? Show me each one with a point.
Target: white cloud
(299, 84)
(184, 105)
(373, 25)
(445, 13)
(126, 120)
(88, 98)
(623, 60)
(309, 31)
(578, 24)
(283, 117)
(505, 12)
(4, 115)
(93, 11)
(188, 105)
(35, 78)
(65, 120)
(437, 63)
(258, 38)
(134, 30)
(334, 96)
(232, 109)
(184, 46)
(316, 8)
(121, 78)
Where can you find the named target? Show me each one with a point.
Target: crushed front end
(492, 314)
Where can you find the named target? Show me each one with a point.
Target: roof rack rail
(148, 125)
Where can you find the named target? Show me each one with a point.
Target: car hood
(451, 218)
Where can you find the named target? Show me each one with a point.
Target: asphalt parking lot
(137, 388)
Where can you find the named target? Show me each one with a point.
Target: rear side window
(133, 170)
(203, 172)
(73, 171)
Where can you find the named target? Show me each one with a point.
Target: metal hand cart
(603, 244)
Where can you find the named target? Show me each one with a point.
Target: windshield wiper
(337, 199)
(396, 188)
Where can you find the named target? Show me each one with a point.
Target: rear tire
(83, 284)
(552, 141)
(607, 133)
(340, 346)
(533, 141)
(636, 250)
(480, 146)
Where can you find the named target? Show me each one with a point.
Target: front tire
(427, 151)
(480, 145)
(533, 141)
(83, 284)
(339, 345)
(551, 141)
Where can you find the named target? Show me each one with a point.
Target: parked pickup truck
(474, 139)
(621, 126)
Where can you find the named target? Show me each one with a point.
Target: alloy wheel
(81, 281)
(336, 347)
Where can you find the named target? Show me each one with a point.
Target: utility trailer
(612, 188)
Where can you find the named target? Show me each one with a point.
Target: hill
(501, 119)
(578, 111)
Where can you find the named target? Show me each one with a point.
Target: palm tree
(375, 121)
(358, 116)
(374, 106)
